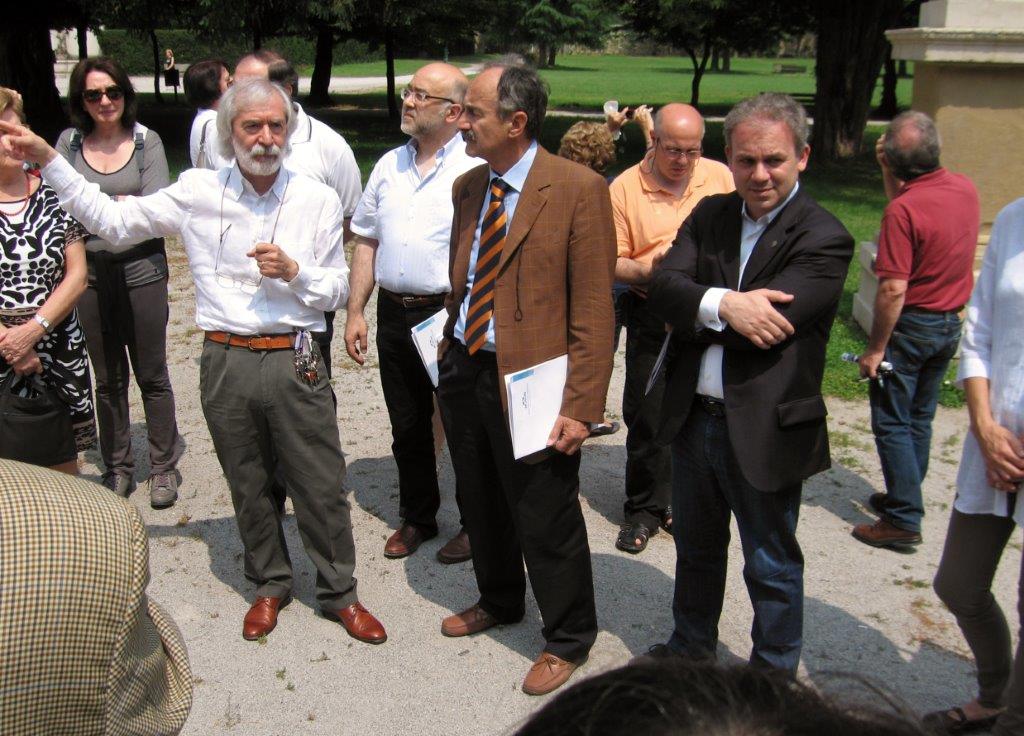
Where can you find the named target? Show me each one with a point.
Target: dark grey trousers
(974, 544)
(147, 350)
(261, 417)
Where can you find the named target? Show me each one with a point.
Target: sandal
(954, 720)
(628, 536)
(666, 519)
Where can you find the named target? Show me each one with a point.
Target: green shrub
(133, 50)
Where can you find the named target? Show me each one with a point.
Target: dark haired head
(675, 697)
(912, 145)
(80, 117)
(520, 88)
(202, 82)
(282, 72)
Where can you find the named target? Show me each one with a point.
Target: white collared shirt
(317, 151)
(709, 382)
(206, 119)
(410, 217)
(200, 207)
(515, 178)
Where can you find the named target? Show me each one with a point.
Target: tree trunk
(699, 66)
(26, 64)
(851, 47)
(157, 66)
(716, 63)
(82, 30)
(901, 69)
(726, 59)
(887, 108)
(320, 84)
(543, 51)
(551, 55)
(389, 55)
(256, 30)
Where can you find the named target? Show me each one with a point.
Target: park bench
(789, 68)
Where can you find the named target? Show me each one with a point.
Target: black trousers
(409, 396)
(648, 464)
(517, 512)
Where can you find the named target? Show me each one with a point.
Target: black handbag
(34, 429)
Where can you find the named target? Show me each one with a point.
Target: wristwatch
(43, 322)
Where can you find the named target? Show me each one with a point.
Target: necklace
(24, 202)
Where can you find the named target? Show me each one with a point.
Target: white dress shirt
(993, 348)
(207, 208)
(410, 217)
(709, 382)
(206, 119)
(515, 178)
(317, 151)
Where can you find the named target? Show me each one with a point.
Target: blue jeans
(902, 409)
(707, 486)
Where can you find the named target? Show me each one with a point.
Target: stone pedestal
(969, 77)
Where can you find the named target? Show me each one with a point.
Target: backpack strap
(140, 145)
(76, 145)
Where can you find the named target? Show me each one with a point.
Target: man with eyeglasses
(402, 230)
(315, 150)
(649, 203)
(266, 253)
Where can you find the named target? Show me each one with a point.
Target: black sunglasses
(113, 94)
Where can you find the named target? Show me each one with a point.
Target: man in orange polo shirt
(649, 203)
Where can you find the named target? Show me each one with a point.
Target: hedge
(134, 52)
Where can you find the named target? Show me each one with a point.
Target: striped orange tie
(492, 240)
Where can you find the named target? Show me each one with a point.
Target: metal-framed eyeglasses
(690, 154)
(419, 95)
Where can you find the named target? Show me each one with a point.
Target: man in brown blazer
(532, 260)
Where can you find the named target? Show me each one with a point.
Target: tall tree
(698, 27)
(851, 49)
(550, 24)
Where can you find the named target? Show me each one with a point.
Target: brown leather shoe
(456, 550)
(547, 674)
(471, 621)
(359, 623)
(884, 534)
(262, 617)
(405, 541)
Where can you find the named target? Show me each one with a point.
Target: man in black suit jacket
(750, 289)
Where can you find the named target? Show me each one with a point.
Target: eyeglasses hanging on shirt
(234, 269)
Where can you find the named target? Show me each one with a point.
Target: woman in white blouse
(988, 507)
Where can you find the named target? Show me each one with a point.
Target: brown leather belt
(253, 342)
(414, 300)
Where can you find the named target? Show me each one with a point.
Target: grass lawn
(852, 191)
(585, 81)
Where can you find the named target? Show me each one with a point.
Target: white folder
(534, 402)
(425, 336)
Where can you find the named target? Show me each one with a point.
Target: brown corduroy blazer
(553, 291)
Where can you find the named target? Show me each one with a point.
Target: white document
(425, 336)
(534, 400)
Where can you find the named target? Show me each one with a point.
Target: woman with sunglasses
(42, 349)
(124, 310)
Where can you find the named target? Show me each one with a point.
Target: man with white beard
(402, 230)
(265, 249)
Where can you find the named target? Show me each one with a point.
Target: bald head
(678, 120)
(447, 79)
(912, 145)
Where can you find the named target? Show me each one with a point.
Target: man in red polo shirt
(925, 274)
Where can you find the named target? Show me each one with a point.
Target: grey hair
(916, 155)
(520, 89)
(774, 107)
(242, 96)
(457, 90)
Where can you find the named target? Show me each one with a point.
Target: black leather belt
(919, 310)
(414, 300)
(714, 407)
(486, 357)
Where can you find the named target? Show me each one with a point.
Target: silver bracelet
(43, 322)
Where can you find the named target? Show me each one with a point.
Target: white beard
(248, 162)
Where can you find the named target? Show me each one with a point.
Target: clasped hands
(17, 347)
(753, 315)
(1003, 452)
